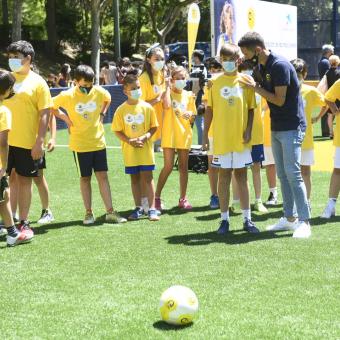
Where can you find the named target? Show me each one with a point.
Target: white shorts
(307, 157)
(233, 160)
(337, 158)
(210, 151)
(268, 156)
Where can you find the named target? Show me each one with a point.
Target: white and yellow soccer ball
(178, 305)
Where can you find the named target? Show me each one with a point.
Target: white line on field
(107, 147)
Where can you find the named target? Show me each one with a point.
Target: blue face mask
(158, 65)
(15, 64)
(136, 94)
(180, 84)
(229, 66)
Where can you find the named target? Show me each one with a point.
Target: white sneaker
(46, 217)
(24, 236)
(3, 231)
(89, 218)
(302, 231)
(283, 224)
(328, 213)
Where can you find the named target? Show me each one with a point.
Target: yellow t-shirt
(134, 121)
(230, 101)
(87, 132)
(31, 96)
(177, 131)
(5, 120)
(150, 92)
(267, 140)
(332, 95)
(312, 98)
(257, 133)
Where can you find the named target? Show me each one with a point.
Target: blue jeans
(286, 147)
(199, 121)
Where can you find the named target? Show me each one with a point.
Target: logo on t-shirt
(134, 120)
(156, 89)
(178, 107)
(85, 108)
(229, 92)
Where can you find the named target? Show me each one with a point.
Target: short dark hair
(230, 50)
(7, 81)
(214, 63)
(199, 54)
(106, 63)
(129, 79)
(84, 72)
(23, 47)
(252, 40)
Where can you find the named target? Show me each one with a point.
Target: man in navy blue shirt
(277, 82)
(324, 65)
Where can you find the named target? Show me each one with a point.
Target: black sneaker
(250, 227)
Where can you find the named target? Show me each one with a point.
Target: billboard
(277, 23)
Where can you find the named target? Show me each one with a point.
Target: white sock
(331, 203)
(225, 216)
(258, 200)
(145, 204)
(246, 214)
(273, 191)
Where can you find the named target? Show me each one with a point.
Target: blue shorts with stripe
(257, 153)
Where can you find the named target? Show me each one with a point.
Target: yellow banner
(194, 17)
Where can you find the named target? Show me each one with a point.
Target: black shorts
(21, 160)
(86, 161)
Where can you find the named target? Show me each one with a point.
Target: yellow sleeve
(107, 95)
(318, 98)
(117, 123)
(44, 96)
(5, 119)
(192, 104)
(209, 95)
(153, 118)
(251, 99)
(334, 92)
(60, 101)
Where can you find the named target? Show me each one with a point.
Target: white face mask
(136, 94)
(180, 84)
(229, 66)
(158, 65)
(15, 64)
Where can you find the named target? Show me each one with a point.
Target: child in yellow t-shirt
(177, 134)
(215, 69)
(86, 106)
(134, 123)
(331, 96)
(152, 82)
(312, 98)
(14, 236)
(231, 110)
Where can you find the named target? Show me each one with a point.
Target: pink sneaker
(158, 204)
(183, 203)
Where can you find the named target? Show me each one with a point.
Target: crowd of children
(160, 111)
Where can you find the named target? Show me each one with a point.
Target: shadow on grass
(178, 211)
(163, 326)
(317, 221)
(233, 237)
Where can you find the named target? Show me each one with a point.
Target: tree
(51, 27)
(4, 6)
(16, 20)
(97, 6)
(166, 13)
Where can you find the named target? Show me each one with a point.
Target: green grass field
(105, 281)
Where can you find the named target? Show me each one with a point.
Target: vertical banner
(194, 17)
(277, 23)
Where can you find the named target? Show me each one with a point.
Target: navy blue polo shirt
(280, 72)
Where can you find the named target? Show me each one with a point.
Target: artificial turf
(105, 281)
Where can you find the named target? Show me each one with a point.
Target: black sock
(12, 231)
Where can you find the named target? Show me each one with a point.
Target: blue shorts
(134, 170)
(88, 161)
(257, 153)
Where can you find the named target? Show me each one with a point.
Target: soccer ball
(178, 305)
